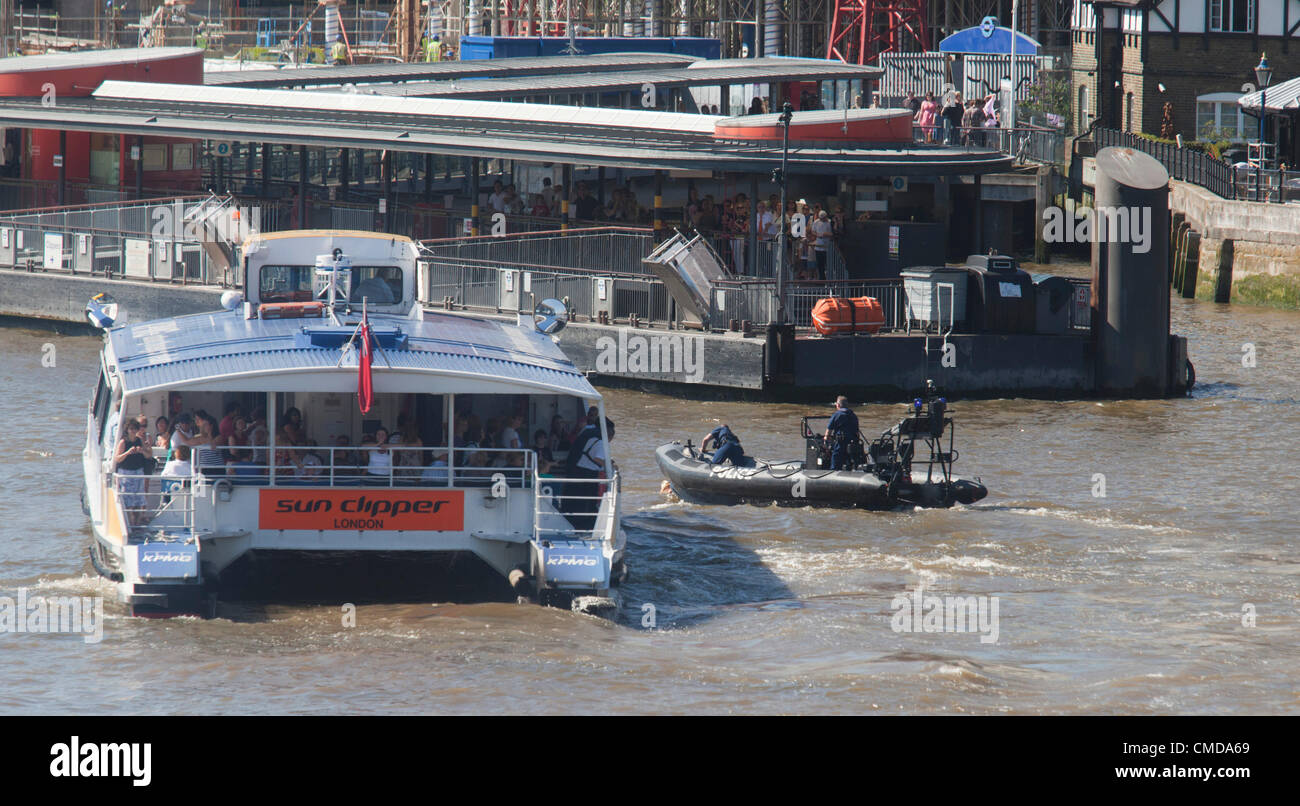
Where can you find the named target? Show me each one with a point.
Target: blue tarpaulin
(973, 40)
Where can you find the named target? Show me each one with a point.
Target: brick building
(1130, 57)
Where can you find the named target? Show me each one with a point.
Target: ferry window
(285, 283)
(381, 285)
(99, 405)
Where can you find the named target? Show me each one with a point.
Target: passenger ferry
(287, 460)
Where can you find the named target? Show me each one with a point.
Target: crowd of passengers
(237, 445)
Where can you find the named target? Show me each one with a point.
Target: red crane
(861, 30)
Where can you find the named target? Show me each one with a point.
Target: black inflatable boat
(907, 465)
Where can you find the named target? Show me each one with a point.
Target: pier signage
(364, 509)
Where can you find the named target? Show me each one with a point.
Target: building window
(1218, 117)
(1084, 117)
(1128, 112)
(1232, 16)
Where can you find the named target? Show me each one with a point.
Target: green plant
(1049, 95)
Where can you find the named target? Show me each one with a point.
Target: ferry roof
(209, 349)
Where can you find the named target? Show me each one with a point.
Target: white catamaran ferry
(325, 415)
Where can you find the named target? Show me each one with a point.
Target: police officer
(586, 460)
(841, 433)
(338, 51)
(726, 445)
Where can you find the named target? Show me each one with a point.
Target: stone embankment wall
(1234, 251)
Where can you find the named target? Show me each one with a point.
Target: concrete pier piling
(1130, 265)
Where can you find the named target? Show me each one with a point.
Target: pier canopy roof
(715, 72)
(989, 39)
(225, 351)
(290, 76)
(1284, 97)
(619, 138)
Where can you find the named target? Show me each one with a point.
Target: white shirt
(509, 438)
(497, 201)
(178, 469)
(381, 464)
(823, 230)
(594, 457)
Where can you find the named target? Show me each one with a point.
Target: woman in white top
(178, 469)
(380, 458)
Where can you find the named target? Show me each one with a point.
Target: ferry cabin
(326, 478)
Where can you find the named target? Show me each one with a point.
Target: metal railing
(1183, 164)
(117, 240)
(369, 465)
(153, 502)
(577, 501)
(608, 249)
(755, 300)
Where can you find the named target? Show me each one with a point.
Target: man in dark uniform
(726, 445)
(841, 434)
(586, 460)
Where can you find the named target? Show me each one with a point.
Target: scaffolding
(745, 28)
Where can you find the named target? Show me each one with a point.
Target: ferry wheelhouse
(295, 468)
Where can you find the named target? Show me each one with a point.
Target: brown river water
(1129, 603)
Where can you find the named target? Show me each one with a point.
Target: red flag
(365, 391)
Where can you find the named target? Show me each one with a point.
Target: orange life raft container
(837, 316)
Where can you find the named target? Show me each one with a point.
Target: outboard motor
(938, 406)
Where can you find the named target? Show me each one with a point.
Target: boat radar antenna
(330, 270)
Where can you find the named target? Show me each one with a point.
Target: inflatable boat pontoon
(885, 475)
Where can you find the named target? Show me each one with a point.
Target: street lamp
(1263, 74)
(779, 175)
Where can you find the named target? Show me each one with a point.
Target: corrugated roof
(432, 108)
(463, 128)
(703, 73)
(430, 71)
(88, 58)
(171, 352)
(1284, 97)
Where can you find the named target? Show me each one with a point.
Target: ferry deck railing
(359, 465)
(572, 498)
(154, 502)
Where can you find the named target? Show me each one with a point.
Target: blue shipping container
(505, 47)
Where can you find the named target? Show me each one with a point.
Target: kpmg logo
(569, 559)
(164, 557)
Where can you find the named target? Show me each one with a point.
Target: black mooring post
(266, 170)
(428, 178)
(139, 166)
(63, 171)
(345, 172)
(979, 217)
(386, 175)
(302, 188)
(473, 195)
